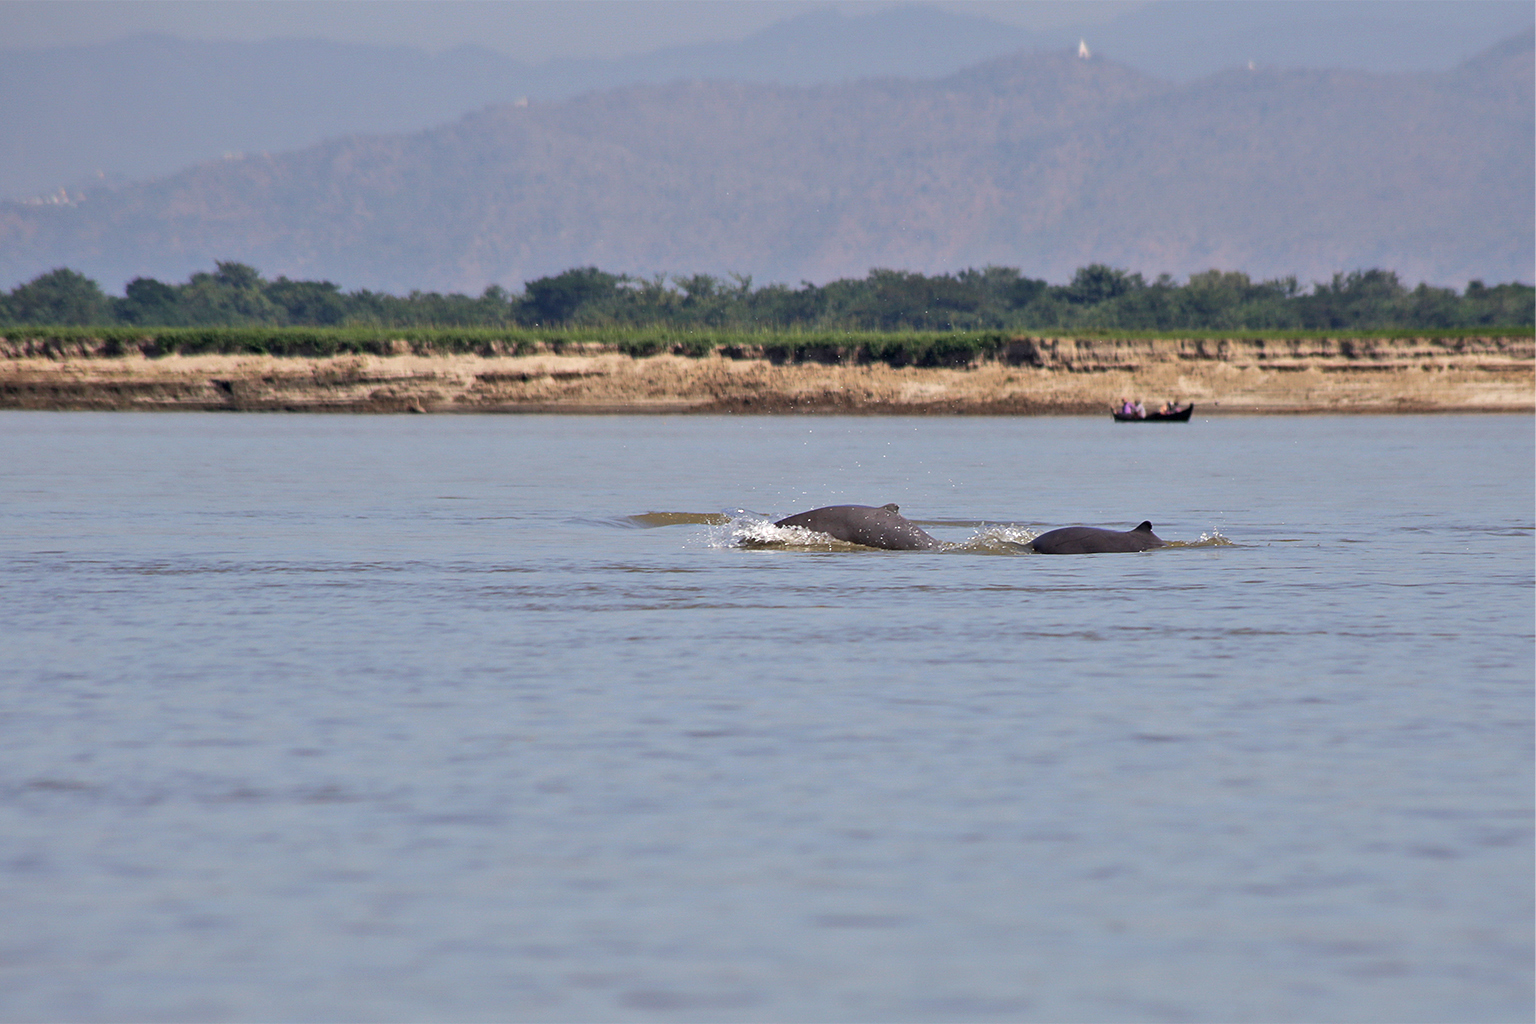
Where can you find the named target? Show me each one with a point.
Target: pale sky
(530, 30)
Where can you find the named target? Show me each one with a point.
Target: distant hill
(150, 105)
(1040, 161)
(85, 117)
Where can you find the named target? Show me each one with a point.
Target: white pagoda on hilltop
(1083, 53)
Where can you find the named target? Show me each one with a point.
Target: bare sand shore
(1037, 377)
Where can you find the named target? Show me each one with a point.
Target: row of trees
(995, 298)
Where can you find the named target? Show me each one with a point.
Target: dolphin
(1081, 540)
(872, 527)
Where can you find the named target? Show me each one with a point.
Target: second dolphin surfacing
(1083, 540)
(882, 527)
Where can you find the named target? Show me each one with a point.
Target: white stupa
(1083, 53)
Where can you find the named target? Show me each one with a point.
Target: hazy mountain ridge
(147, 106)
(1040, 161)
(1433, 171)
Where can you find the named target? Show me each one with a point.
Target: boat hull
(1177, 416)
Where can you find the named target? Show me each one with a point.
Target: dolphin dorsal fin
(891, 507)
(1145, 527)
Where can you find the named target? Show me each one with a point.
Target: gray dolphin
(1081, 540)
(872, 527)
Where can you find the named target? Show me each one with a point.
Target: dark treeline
(1099, 298)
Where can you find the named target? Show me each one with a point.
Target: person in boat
(1140, 410)
(1126, 408)
(1167, 408)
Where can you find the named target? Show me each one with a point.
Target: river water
(531, 718)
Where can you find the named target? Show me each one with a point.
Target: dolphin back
(867, 525)
(1084, 540)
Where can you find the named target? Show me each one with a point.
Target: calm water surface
(377, 718)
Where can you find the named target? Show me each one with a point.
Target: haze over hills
(148, 105)
(1041, 161)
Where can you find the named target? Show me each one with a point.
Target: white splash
(752, 530)
(998, 540)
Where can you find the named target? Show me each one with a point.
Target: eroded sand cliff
(1035, 376)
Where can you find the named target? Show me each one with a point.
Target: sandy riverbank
(1039, 376)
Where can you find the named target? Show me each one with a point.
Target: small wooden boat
(1178, 415)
